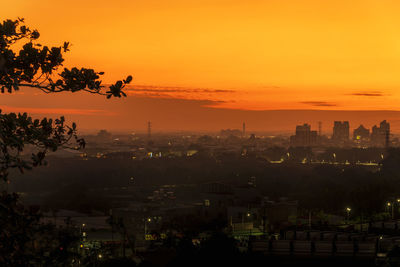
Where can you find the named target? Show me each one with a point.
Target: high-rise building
(361, 133)
(380, 135)
(320, 128)
(304, 136)
(341, 132)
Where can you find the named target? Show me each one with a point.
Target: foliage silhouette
(24, 62)
(37, 66)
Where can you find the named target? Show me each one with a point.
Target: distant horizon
(289, 130)
(92, 113)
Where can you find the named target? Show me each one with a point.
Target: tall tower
(341, 131)
(385, 128)
(244, 130)
(320, 128)
(149, 129)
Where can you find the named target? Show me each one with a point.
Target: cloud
(206, 97)
(319, 103)
(270, 87)
(175, 89)
(368, 93)
(57, 111)
(218, 91)
(204, 102)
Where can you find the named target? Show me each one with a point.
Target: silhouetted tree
(37, 66)
(24, 62)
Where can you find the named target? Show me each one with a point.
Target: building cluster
(304, 136)
(378, 137)
(142, 223)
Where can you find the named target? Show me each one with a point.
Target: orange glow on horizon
(246, 55)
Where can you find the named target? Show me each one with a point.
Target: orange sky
(248, 55)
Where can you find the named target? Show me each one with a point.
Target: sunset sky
(193, 59)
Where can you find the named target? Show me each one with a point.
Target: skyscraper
(320, 128)
(304, 136)
(341, 132)
(361, 133)
(380, 136)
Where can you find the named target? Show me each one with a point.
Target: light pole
(145, 226)
(391, 205)
(397, 209)
(248, 217)
(82, 234)
(348, 214)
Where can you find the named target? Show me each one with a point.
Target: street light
(390, 205)
(145, 226)
(248, 214)
(348, 213)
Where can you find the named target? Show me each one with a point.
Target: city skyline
(93, 113)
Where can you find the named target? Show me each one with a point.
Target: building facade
(380, 136)
(304, 136)
(341, 132)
